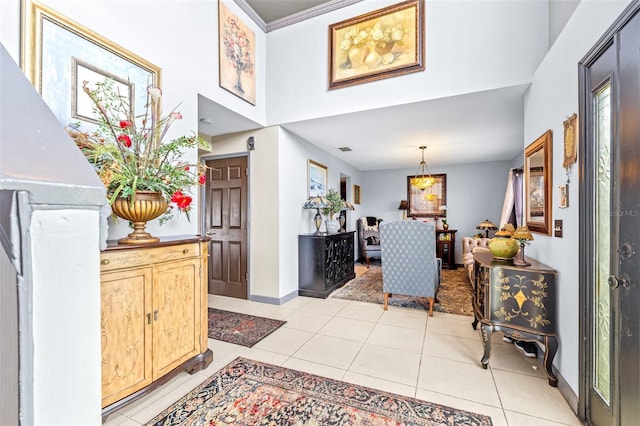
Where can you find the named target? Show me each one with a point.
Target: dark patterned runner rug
(454, 294)
(247, 392)
(241, 329)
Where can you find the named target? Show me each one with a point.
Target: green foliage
(335, 203)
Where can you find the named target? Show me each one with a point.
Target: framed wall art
(237, 55)
(59, 54)
(384, 43)
(537, 184)
(570, 141)
(430, 202)
(316, 179)
(564, 195)
(356, 194)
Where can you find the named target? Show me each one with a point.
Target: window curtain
(512, 205)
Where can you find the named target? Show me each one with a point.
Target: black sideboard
(325, 262)
(519, 301)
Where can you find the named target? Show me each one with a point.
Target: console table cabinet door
(126, 333)
(325, 262)
(176, 326)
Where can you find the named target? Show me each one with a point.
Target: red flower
(182, 201)
(125, 140)
(187, 168)
(202, 179)
(124, 124)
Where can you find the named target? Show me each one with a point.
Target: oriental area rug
(454, 294)
(241, 329)
(247, 392)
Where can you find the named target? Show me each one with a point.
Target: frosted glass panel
(603, 245)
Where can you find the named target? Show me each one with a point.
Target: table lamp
(404, 206)
(523, 236)
(486, 225)
(318, 202)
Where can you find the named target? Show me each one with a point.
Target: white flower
(397, 33)
(345, 44)
(155, 93)
(387, 58)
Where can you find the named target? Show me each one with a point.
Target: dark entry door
(610, 227)
(226, 225)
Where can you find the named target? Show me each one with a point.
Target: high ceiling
(476, 127)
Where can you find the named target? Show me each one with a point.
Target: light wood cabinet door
(126, 332)
(177, 312)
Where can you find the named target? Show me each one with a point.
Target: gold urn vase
(503, 247)
(147, 206)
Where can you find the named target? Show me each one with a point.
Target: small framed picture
(564, 196)
(317, 179)
(356, 194)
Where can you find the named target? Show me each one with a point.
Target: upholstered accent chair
(469, 247)
(369, 237)
(409, 263)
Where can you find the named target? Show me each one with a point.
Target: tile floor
(401, 350)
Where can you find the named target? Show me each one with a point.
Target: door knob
(613, 281)
(210, 233)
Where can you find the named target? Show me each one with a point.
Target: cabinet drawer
(136, 256)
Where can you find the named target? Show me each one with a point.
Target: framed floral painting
(58, 54)
(237, 53)
(430, 202)
(384, 43)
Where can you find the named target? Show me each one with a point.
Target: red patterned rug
(241, 329)
(247, 392)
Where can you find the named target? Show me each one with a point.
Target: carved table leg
(486, 342)
(551, 347)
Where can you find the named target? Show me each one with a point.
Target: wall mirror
(537, 183)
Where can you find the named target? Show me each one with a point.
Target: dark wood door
(610, 226)
(226, 225)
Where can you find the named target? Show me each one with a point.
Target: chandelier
(422, 180)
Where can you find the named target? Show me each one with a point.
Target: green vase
(503, 247)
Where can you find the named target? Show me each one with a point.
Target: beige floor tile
(273, 311)
(284, 341)
(221, 349)
(349, 329)
(219, 362)
(459, 379)
(326, 306)
(235, 305)
(404, 317)
(298, 302)
(314, 368)
(261, 355)
(331, 351)
(526, 395)
(496, 414)
(116, 419)
(388, 364)
(306, 321)
(448, 316)
(380, 384)
(404, 339)
(508, 358)
(452, 327)
(519, 419)
(453, 348)
(362, 311)
(157, 394)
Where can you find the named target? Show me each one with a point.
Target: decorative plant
(444, 221)
(130, 153)
(334, 203)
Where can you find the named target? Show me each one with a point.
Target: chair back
(409, 264)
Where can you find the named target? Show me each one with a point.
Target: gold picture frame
(356, 194)
(237, 55)
(316, 179)
(428, 202)
(570, 141)
(68, 51)
(384, 43)
(537, 182)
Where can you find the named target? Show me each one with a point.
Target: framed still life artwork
(430, 202)
(384, 43)
(58, 55)
(237, 55)
(316, 179)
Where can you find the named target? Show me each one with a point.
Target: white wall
(474, 192)
(553, 97)
(181, 37)
(470, 46)
(66, 291)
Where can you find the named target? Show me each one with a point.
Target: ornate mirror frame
(537, 184)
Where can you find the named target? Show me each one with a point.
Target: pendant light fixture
(422, 180)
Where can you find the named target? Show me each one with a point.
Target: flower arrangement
(130, 153)
(334, 203)
(237, 47)
(371, 46)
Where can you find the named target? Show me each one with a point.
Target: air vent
(345, 149)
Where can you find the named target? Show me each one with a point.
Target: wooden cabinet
(325, 262)
(446, 247)
(153, 317)
(519, 301)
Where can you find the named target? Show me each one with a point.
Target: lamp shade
(318, 202)
(522, 234)
(509, 228)
(348, 206)
(486, 224)
(404, 205)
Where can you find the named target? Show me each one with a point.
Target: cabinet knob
(148, 318)
(105, 261)
(185, 251)
(155, 315)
